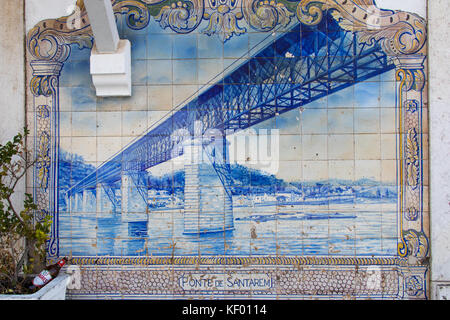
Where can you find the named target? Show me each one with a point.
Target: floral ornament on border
(43, 111)
(266, 15)
(223, 16)
(43, 162)
(136, 13)
(182, 16)
(412, 159)
(412, 106)
(412, 214)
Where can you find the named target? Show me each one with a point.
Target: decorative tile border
(268, 282)
(403, 37)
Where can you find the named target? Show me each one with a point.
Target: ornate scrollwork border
(402, 35)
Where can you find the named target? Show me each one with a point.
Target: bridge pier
(208, 206)
(88, 201)
(70, 203)
(104, 204)
(76, 202)
(99, 195)
(134, 192)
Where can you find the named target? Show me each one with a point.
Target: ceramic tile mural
(280, 147)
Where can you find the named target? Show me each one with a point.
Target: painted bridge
(296, 68)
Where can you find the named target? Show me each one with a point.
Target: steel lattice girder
(301, 66)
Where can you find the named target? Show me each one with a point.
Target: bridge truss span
(292, 70)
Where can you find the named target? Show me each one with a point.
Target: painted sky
(348, 135)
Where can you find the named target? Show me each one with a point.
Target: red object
(49, 273)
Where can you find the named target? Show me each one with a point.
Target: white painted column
(110, 56)
(103, 23)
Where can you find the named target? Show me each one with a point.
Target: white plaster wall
(38, 10)
(12, 77)
(439, 98)
(415, 6)
(11, 69)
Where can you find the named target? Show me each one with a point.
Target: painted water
(366, 227)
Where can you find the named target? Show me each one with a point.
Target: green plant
(22, 238)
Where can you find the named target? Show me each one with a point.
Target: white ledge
(111, 72)
(55, 290)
